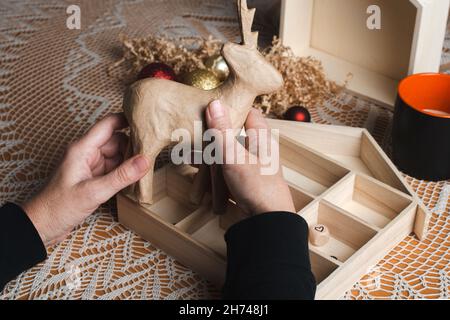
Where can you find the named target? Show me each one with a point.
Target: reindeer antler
(246, 17)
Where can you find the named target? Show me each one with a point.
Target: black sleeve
(21, 246)
(268, 258)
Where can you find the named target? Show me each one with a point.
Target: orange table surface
(54, 86)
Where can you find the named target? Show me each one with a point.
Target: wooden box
(335, 31)
(337, 176)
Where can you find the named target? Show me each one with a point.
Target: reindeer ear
(246, 17)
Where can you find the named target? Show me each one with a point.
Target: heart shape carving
(319, 228)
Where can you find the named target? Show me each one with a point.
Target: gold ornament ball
(202, 79)
(218, 66)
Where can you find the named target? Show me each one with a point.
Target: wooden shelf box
(335, 31)
(337, 176)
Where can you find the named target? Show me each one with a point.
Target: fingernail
(216, 109)
(141, 163)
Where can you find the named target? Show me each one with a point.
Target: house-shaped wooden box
(338, 177)
(409, 41)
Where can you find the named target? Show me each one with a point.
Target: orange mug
(421, 128)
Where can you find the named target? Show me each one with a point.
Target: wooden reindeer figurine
(155, 107)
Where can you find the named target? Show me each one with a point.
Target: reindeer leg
(201, 184)
(145, 190)
(146, 145)
(128, 154)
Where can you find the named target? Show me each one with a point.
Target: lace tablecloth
(54, 86)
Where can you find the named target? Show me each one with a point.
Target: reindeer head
(246, 62)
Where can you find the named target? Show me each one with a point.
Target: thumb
(101, 189)
(218, 118)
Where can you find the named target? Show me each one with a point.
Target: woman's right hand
(253, 191)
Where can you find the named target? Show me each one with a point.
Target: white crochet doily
(54, 86)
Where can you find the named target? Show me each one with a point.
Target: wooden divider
(365, 216)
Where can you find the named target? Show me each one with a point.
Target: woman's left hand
(91, 172)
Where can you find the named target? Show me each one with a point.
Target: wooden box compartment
(172, 202)
(337, 176)
(347, 235)
(212, 232)
(301, 199)
(190, 233)
(322, 266)
(409, 40)
(354, 246)
(369, 200)
(307, 170)
(210, 229)
(183, 229)
(212, 235)
(352, 148)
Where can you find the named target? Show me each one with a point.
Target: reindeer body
(155, 107)
(152, 108)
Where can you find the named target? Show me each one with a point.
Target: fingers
(101, 189)
(256, 120)
(117, 145)
(259, 140)
(254, 125)
(112, 163)
(112, 155)
(107, 165)
(102, 131)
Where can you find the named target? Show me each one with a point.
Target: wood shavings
(183, 55)
(305, 80)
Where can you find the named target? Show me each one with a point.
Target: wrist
(269, 209)
(37, 211)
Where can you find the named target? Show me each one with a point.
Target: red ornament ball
(299, 114)
(157, 70)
